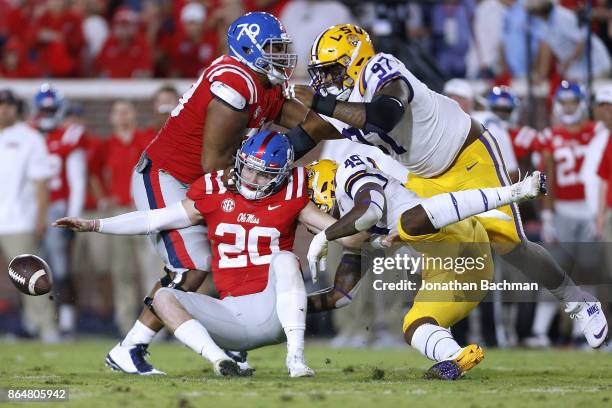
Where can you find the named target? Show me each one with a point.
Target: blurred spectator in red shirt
(124, 149)
(165, 100)
(159, 28)
(14, 63)
(126, 52)
(57, 36)
(95, 150)
(274, 7)
(20, 15)
(4, 11)
(95, 29)
(193, 47)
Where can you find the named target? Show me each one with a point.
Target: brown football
(30, 274)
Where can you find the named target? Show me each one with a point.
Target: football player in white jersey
(367, 199)
(374, 99)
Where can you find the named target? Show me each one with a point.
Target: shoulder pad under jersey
(228, 94)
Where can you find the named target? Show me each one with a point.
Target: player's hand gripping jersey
(430, 134)
(244, 233)
(178, 146)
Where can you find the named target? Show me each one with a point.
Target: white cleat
(532, 186)
(131, 360)
(226, 368)
(591, 321)
(297, 367)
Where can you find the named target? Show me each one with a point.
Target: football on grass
(30, 274)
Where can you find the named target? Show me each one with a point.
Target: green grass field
(345, 378)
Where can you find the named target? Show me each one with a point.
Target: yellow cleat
(469, 357)
(454, 368)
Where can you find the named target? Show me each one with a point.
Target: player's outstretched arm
(306, 128)
(176, 216)
(223, 132)
(380, 115)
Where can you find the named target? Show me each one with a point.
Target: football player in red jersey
(238, 93)
(255, 271)
(66, 145)
(567, 217)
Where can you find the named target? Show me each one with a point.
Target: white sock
(290, 300)
(295, 340)
(195, 336)
(291, 310)
(544, 314)
(138, 334)
(435, 342)
(67, 318)
(448, 208)
(569, 292)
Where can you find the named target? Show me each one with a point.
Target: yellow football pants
(466, 239)
(480, 165)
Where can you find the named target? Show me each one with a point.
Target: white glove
(549, 231)
(317, 255)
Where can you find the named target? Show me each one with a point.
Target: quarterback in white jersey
(367, 199)
(381, 103)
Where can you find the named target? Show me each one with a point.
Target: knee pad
(285, 267)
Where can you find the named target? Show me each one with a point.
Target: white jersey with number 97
(430, 134)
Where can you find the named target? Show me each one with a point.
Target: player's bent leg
(291, 309)
(539, 265)
(435, 341)
(433, 312)
(190, 331)
(129, 355)
(443, 209)
(186, 252)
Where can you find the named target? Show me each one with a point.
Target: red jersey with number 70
(178, 146)
(568, 150)
(245, 233)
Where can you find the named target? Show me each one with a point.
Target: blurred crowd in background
(101, 280)
(162, 38)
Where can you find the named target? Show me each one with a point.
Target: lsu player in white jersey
(367, 199)
(374, 99)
